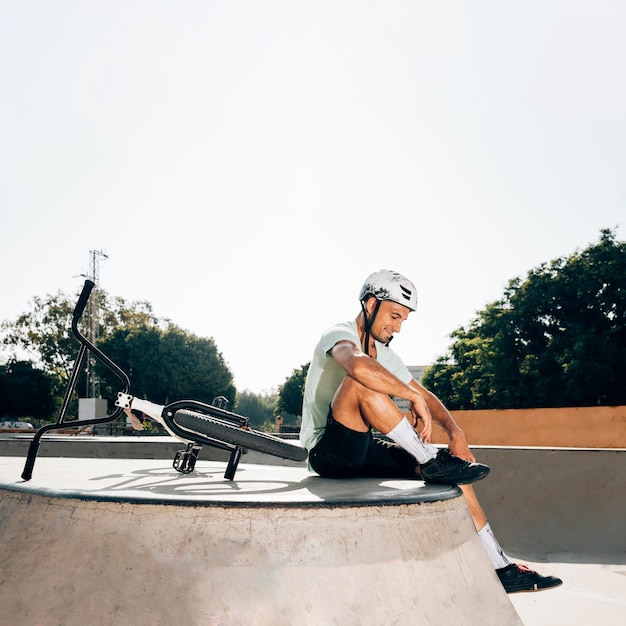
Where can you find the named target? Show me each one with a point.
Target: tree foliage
(44, 333)
(25, 391)
(166, 364)
(556, 338)
(163, 361)
(291, 392)
(258, 408)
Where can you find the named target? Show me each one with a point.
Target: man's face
(388, 319)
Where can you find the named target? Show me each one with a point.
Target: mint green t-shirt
(325, 376)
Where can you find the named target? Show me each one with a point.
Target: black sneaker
(516, 578)
(451, 470)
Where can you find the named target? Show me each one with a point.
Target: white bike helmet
(386, 285)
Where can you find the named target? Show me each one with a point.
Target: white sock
(406, 436)
(496, 555)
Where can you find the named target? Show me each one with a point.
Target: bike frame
(184, 461)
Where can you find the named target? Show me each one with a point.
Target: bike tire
(213, 428)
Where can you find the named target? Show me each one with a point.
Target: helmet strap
(368, 323)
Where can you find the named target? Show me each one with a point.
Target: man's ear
(370, 305)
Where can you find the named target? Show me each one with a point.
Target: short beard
(385, 343)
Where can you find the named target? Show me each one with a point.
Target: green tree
(163, 361)
(258, 408)
(291, 392)
(166, 364)
(25, 391)
(44, 333)
(556, 338)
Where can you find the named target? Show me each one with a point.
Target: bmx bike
(192, 422)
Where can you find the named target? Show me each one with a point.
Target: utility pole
(93, 384)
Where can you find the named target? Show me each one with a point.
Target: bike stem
(155, 411)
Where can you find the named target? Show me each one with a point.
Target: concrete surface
(539, 500)
(592, 593)
(555, 500)
(560, 511)
(114, 541)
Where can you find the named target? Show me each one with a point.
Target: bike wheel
(207, 426)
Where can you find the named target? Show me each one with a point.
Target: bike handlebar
(27, 474)
(82, 300)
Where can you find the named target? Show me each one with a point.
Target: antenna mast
(93, 313)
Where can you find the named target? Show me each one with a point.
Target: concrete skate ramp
(543, 501)
(103, 541)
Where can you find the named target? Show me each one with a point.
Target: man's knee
(347, 403)
(350, 394)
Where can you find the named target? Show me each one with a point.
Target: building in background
(417, 371)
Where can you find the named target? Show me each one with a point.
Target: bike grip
(84, 296)
(27, 474)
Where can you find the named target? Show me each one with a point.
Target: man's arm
(371, 374)
(458, 444)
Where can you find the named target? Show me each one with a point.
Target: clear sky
(246, 164)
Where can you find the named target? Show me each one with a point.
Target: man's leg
(358, 408)
(476, 511)
(513, 577)
(481, 523)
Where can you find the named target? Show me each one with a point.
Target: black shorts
(346, 453)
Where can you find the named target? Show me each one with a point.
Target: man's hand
(419, 409)
(458, 444)
(136, 423)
